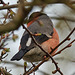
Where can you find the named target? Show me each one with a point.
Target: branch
(17, 20)
(4, 72)
(14, 6)
(67, 38)
(73, 2)
(36, 67)
(53, 61)
(69, 45)
(38, 2)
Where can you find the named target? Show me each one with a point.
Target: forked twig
(69, 45)
(36, 67)
(67, 38)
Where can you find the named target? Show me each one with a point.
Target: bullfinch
(46, 36)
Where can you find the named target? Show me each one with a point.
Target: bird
(45, 35)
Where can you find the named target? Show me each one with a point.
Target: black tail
(19, 55)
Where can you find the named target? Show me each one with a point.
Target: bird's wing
(25, 47)
(27, 44)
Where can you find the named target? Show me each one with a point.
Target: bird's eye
(51, 33)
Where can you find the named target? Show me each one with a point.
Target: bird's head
(35, 15)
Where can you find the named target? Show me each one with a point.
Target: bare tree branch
(4, 72)
(19, 17)
(14, 6)
(17, 20)
(38, 2)
(67, 38)
(69, 45)
(64, 48)
(53, 61)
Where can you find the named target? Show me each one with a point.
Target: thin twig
(14, 6)
(4, 72)
(28, 71)
(17, 19)
(63, 40)
(36, 67)
(53, 61)
(5, 56)
(5, 39)
(38, 3)
(64, 48)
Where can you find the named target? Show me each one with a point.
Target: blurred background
(63, 18)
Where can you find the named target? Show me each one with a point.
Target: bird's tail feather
(19, 55)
